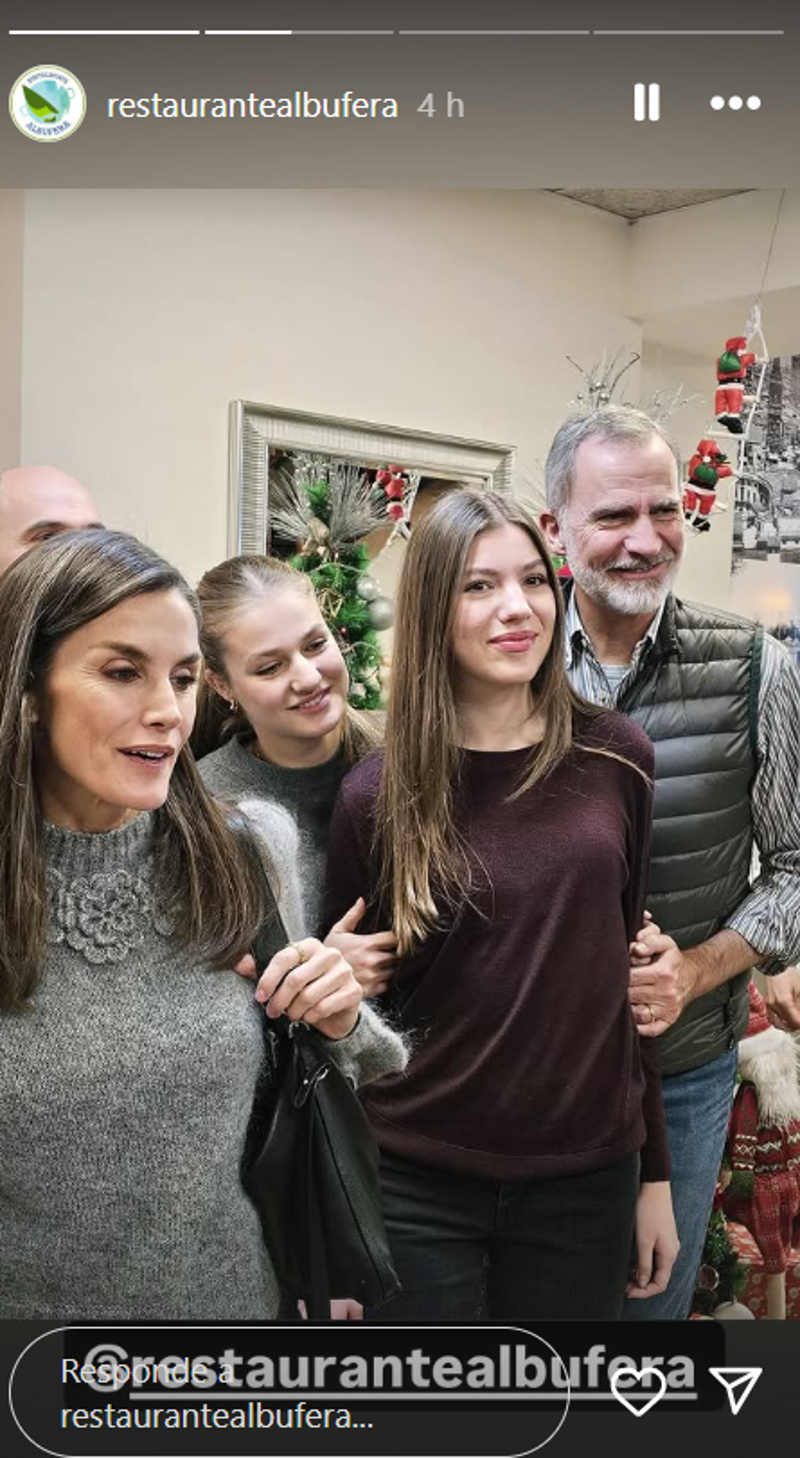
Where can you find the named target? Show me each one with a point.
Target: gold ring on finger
(302, 954)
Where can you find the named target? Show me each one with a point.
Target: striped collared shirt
(769, 916)
(597, 682)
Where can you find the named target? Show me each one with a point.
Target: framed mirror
(340, 499)
(261, 433)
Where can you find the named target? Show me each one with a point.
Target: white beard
(610, 589)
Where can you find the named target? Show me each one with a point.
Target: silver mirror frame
(255, 429)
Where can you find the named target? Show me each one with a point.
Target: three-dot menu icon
(718, 103)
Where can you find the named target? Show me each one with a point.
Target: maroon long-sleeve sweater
(526, 1059)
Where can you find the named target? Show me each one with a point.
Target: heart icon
(638, 1384)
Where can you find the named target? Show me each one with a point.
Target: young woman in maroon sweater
(504, 832)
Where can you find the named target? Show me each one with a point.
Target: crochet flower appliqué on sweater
(106, 915)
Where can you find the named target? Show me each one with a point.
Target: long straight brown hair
(416, 842)
(222, 592)
(208, 880)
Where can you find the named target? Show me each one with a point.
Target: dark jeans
(470, 1249)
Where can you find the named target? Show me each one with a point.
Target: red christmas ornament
(395, 489)
(395, 511)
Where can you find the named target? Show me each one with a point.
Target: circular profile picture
(47, 103)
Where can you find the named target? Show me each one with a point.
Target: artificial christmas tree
(327, 508)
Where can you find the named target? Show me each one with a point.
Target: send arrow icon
(738, 1383)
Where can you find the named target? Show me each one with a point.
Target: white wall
(147, 312)
(714, 252)
(11, 265)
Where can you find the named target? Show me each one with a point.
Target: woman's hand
(640, 953)
(311, 984)
(371, 957)
(344, 1310)
(347, 1311)
(657, 1243)
(782, 998)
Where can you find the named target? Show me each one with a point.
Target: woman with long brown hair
(504, 834)
(276, 735)
(130, 1049)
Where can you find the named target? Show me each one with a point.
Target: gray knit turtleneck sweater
(124, 1098)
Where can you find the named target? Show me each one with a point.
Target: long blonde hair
(222, 592)
(416, 842)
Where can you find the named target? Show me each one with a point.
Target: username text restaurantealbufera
(298, 106)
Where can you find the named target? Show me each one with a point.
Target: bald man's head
(38, 502)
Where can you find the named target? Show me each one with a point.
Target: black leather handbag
(311, 1163)
(311, 1168)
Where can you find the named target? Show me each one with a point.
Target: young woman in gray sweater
(130, 1050)
(275, 736)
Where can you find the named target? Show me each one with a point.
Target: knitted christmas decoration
(764, 1140)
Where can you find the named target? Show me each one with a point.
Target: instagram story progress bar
(427, 31)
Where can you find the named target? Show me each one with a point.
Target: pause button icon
(647, 101)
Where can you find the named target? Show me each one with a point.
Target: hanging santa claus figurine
(732, 367)
(707, 468)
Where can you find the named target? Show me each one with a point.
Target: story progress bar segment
(482, 33)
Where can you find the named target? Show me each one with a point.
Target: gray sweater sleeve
(370, 1051)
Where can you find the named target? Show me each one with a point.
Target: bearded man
(721, 701)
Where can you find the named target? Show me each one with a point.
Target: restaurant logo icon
(47, 103)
